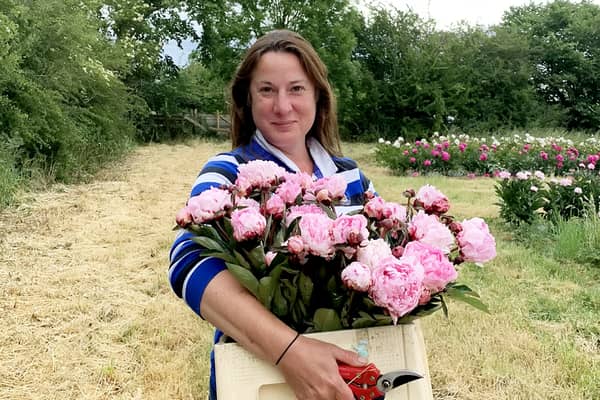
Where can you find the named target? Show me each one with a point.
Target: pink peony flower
(248, 223)
(373, 252)
(476, 242)
(289, 191)
(357, 276)
(183, 217)
(350, 229)
(428, 229)
(483, 157)
(246, 202)
(433, 200)
(445, 156)
(504, 175)
(334, 186)
(438, 269)
(374, 207)
(315, 230)
(210, 204)
(394, 212)
(258, 174)
(295, 245)
(275, 206)
(298, 211)
(397, 285)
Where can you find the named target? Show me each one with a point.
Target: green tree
(564, 40)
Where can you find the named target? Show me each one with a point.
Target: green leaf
(326, 319)
(245, 277)
(223, 256)
(280, 304)
(209, 231)
(468, 297)
(306, 286)
(266, 290)
(208, 243)
(363, 323)
(256, 256)
(241, 259)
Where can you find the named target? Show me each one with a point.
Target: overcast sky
(448, 12)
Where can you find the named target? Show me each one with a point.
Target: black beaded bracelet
(287, 348)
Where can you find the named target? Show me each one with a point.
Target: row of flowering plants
(384, 263)
(466, 155)
(527, 196)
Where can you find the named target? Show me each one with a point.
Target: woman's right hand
(310, 367)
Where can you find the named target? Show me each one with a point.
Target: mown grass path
(87, 313)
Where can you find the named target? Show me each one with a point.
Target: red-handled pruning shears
(367, 382)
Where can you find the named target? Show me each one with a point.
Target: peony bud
(183, 217)
(295, 245)
(409, 193)
(398, 251)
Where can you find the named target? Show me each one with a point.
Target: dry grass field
(87, 313)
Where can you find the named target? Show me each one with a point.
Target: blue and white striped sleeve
(189, 272)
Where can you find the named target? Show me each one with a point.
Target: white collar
(318, 153)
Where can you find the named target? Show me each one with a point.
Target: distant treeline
(81, 79)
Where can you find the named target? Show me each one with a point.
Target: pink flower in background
(438, 269)
(412, 160)
(427, 162)
(565, 181)
(591, 166)
(523, 175)
(357, 276)
(397, 285)
(483, 157)
(433, 200)
(374, 207)
(475, 241)
(210, 204)
(315, 230)
(428, 229)
(540, 175)
(373, 252)
(445, 156)
(462, 147)
(504, 175)
(351, 229)
(258, 174)
(297, 211)
(248, 223)
(543, 155)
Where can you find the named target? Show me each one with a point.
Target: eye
(265, 90)
(297, 89)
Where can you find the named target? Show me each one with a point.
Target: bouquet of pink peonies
(380, 264)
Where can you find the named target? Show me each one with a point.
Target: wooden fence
(193, 123)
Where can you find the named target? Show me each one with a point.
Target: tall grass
(578, 239)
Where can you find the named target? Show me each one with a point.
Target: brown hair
(324, 129)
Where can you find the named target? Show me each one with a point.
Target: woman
(283, 110)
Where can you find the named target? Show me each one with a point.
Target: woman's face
(283, 100)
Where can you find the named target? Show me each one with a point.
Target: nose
(282, 103)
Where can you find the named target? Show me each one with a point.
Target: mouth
(283, 123)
